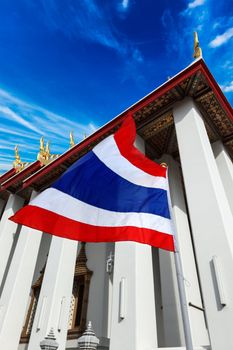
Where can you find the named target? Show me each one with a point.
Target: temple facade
(129, 291)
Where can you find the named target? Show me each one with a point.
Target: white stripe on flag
(72, 208)
(108, 152)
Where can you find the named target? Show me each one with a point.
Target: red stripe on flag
(47, 221)
(125, 138)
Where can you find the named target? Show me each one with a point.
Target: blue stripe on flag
(92, 182)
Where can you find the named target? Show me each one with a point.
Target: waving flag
(113, 193)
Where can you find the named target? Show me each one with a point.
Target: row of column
(133, 324)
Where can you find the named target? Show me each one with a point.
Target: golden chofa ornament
(44, 154)
(17, 164)
(72, 143)
(197, 49)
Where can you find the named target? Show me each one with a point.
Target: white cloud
(222, 39)
(228, 64)
(227, 87)
(4, 166)
(125, 4)
(22, 123)
(9, 114)
(88, 20)
(195, 3)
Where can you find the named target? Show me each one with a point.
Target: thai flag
(113, 193)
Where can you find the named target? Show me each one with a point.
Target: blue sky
(75, 64)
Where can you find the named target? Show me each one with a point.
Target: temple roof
(154, 119)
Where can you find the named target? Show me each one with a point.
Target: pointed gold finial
(84, 136)
(197, 49)
(44, 155)
(17, 164)
(72, 143)
(42, 144)
(47, 149)
(17, 157)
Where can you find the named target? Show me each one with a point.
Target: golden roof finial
(72, 143)
(17, 164)
(197, 49)
(17, 157)
(42, 144)
(47, 149)
(44, 155)
(84, 136)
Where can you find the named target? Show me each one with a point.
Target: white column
(133, 313)
(14, 299)
(133, 310)
(55, 295)
(211, 219)
(7, 231)
(225, 168)
(171, 306)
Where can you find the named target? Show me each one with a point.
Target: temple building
(50, 288)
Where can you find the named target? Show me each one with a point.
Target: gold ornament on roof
(44, 155)
(84, 136)
(47, 149)
(42, 144)
(197, 49)
(17, 164)
(72, 143)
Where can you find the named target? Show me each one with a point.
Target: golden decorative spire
(17, 164)
(42, 144)
(197, 49)
(17, 157)
(84, 136)
(72, 143)
(47, 149)
(44, 155)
